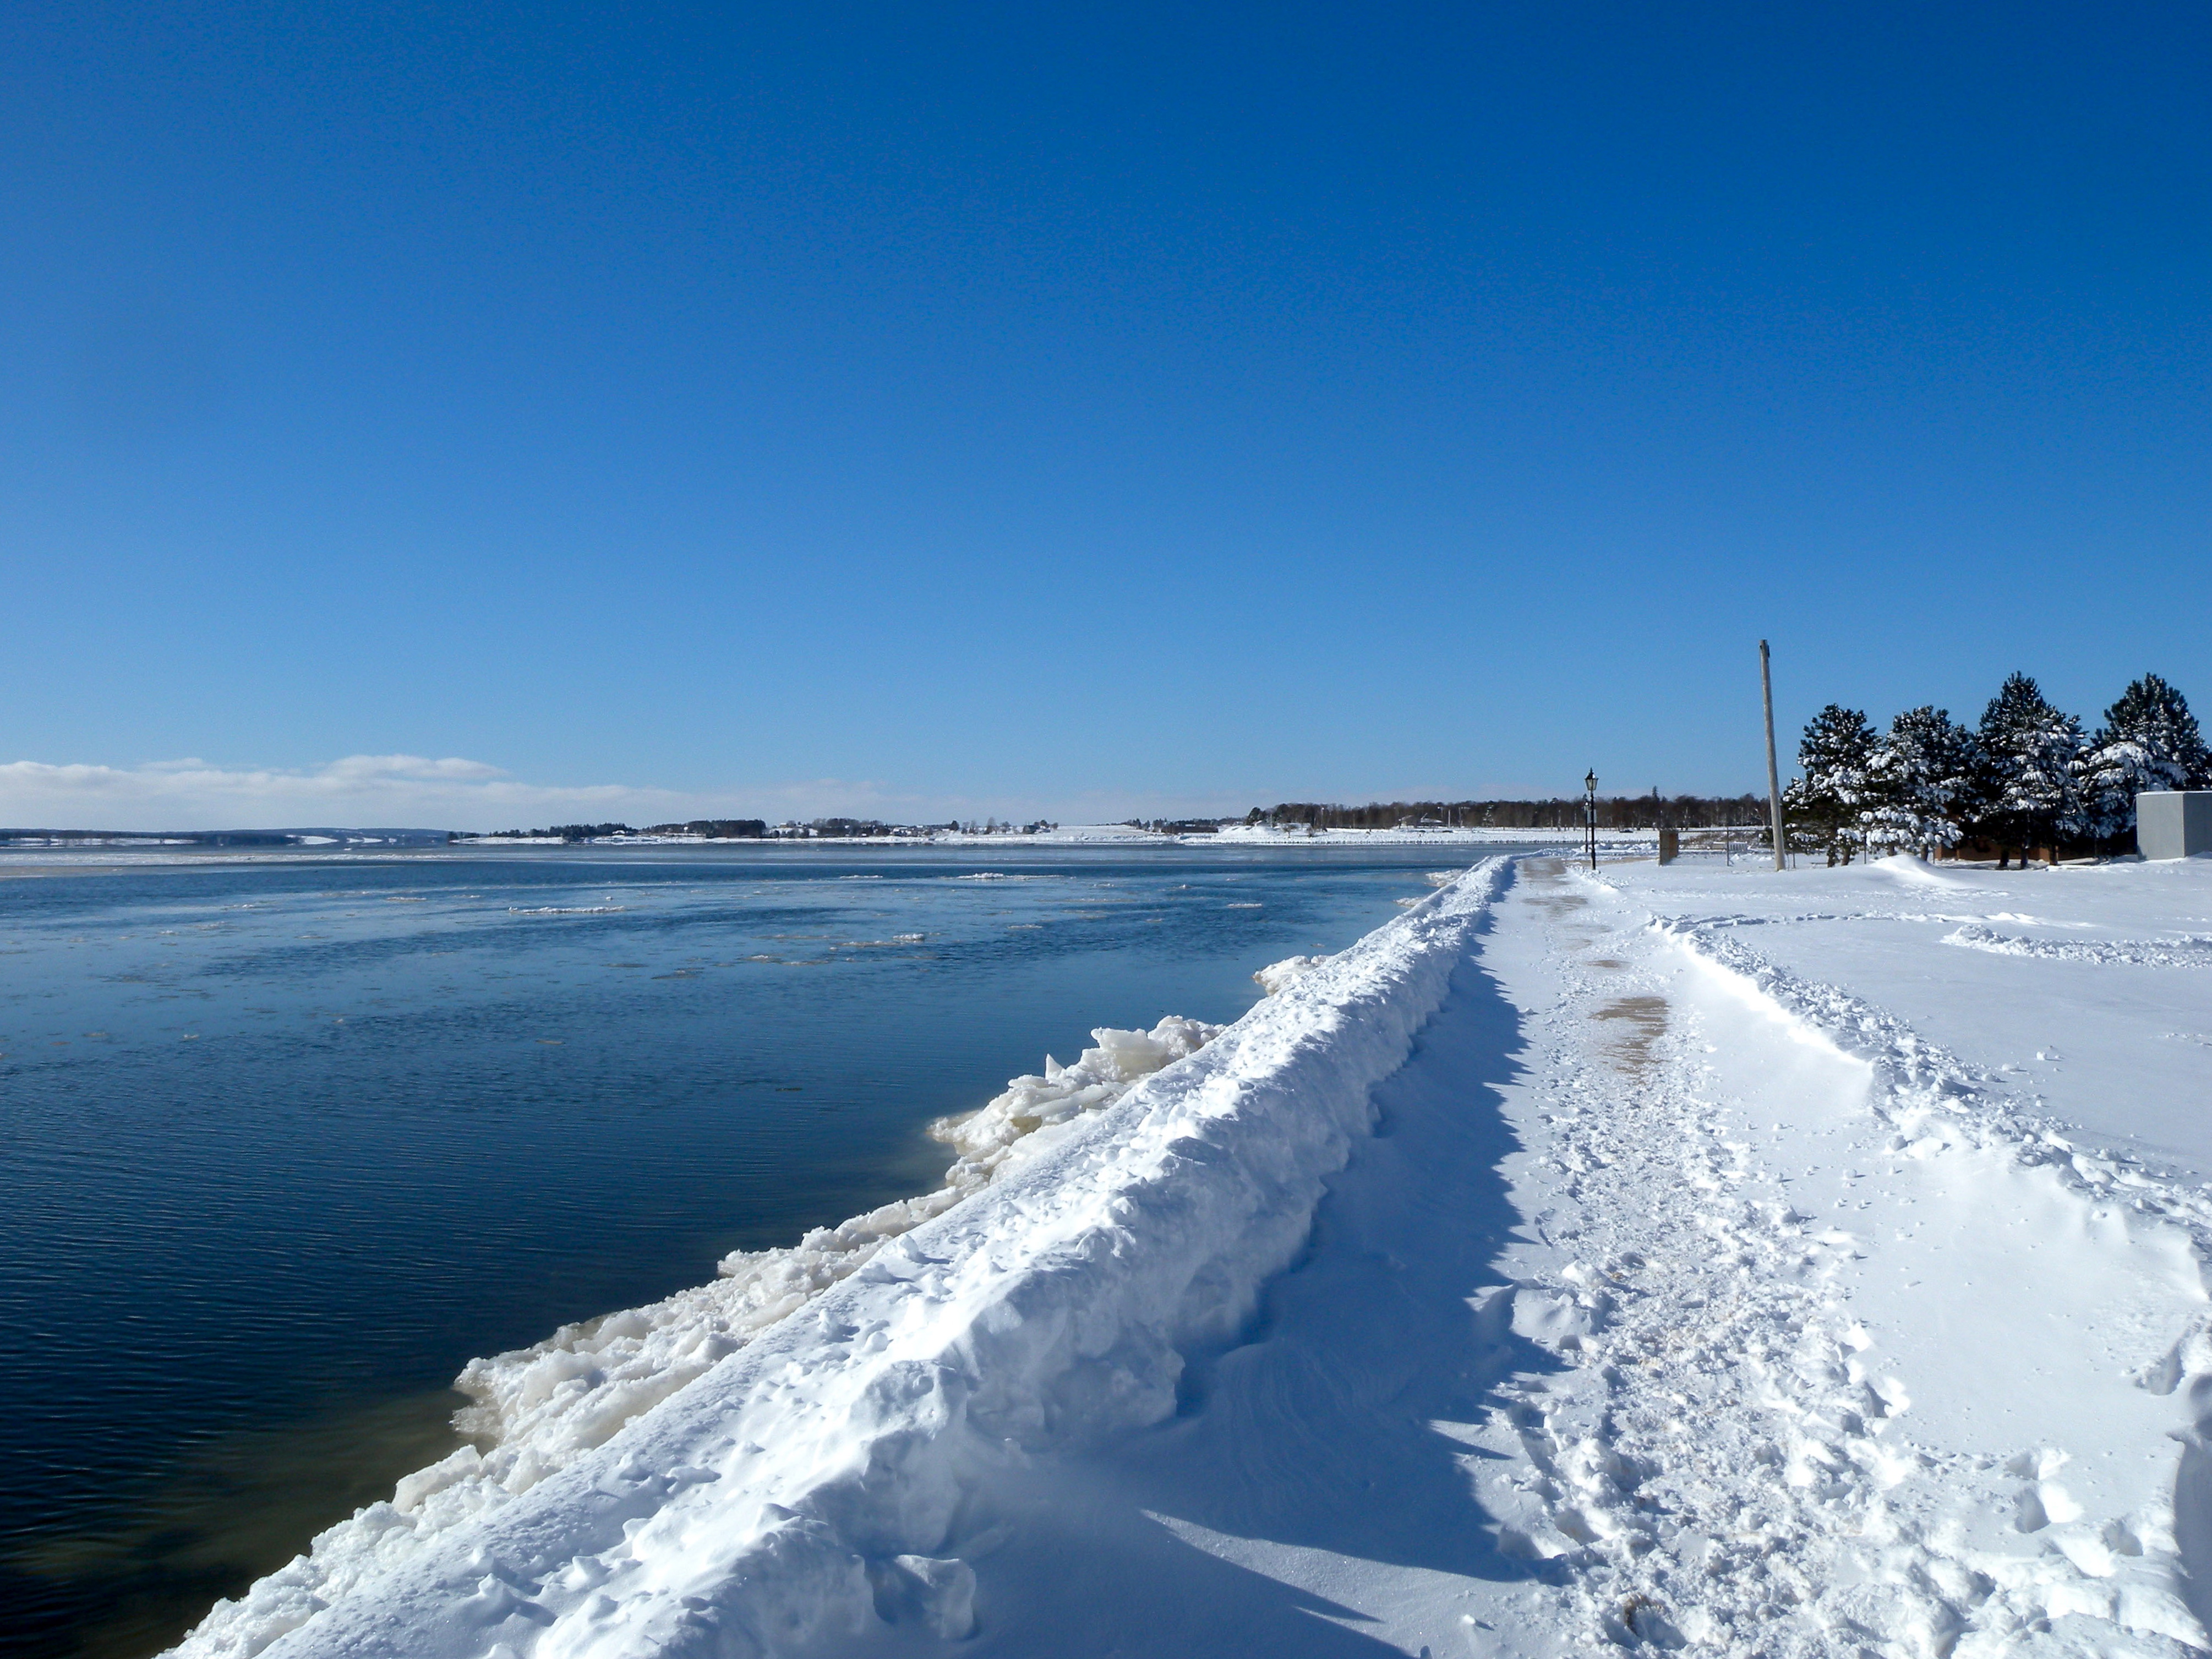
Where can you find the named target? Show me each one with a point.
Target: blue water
(286, 1142)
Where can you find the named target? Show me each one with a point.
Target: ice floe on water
(1291, 970)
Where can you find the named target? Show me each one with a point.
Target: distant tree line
(1651, 812)
(564, 832)
(714, 829)
(2025, 778)
(153, 838)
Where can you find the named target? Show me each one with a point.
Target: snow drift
(544, 1405)
(779, 1461)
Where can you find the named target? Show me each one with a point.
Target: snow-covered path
(1869, 1370)
(1650, 1316)
(1663, 1284)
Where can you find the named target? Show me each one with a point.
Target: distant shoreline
(84, 860)
(1102, 835)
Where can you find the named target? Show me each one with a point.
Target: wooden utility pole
(1773, 775)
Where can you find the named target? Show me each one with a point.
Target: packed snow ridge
(543, 1406)
(1118, 1211)
(1699, 1259)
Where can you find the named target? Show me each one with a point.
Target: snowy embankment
(1695, 1294)
(1705, 1259)
(782, 1461)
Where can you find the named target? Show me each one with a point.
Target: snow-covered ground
(1696, 1259)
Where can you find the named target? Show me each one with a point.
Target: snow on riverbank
(797, 1489)
(545, 1406)
(1695, 1259)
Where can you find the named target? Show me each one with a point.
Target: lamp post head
(1590, 781)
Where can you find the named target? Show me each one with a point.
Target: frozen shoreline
(26, 862)
(827, 1459)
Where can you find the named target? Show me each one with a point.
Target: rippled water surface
(283, 1143)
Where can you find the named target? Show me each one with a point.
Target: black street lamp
(1590, 814)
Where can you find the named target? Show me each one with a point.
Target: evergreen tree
(1824, 804)
(2149, 741)
(2030, 755)
(1919, 784)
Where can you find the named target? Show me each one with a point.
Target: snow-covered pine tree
(1823, 805)
(2150, 740)
(1919, 784)
(2030, 754)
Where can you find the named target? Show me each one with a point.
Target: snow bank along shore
(1692, 1260)
(778, 1461)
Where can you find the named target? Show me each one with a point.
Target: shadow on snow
(1316, 1433)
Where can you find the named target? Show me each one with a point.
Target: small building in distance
(2174, 823)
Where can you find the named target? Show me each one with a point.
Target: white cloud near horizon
(390, 791)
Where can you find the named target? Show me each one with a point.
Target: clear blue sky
(1078, 410)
